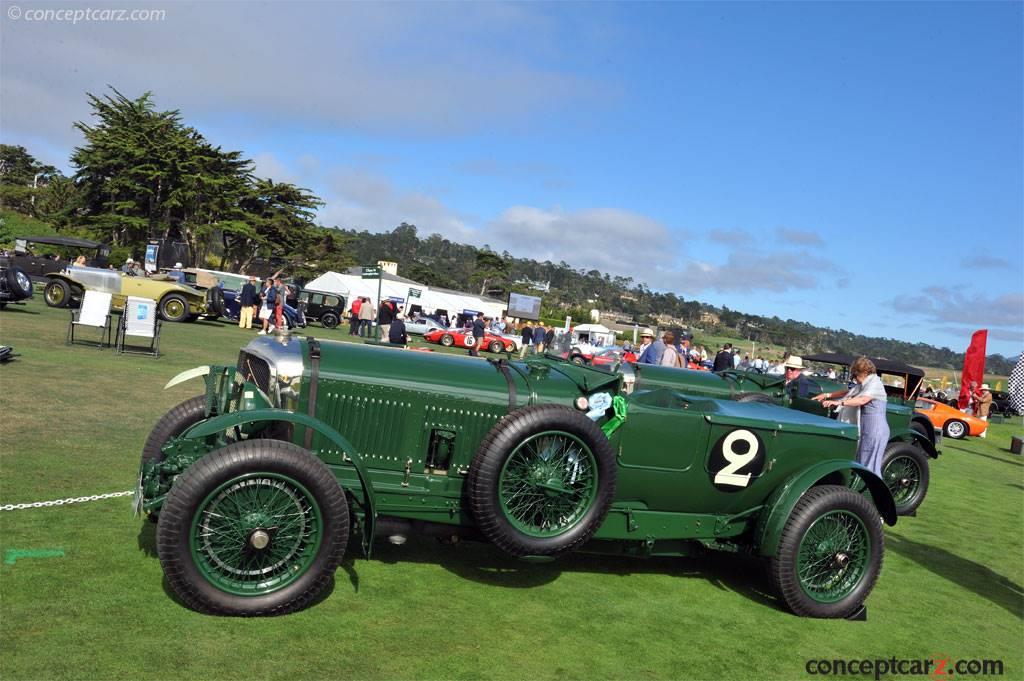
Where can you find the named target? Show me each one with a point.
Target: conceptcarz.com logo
(936, 667)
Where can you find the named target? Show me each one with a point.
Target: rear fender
(224, 422)
(770, 524)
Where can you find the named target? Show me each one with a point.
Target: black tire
(303, 571)
(578, 360)
(447, 340)
(329, 320)
(496, 347)
(956, 429)
(514, 434)
(18, 283)
(754, 397)
(174, 308)
(215, 302)
(172, 424)
(57, 293)
(905, 472)
(813, 506)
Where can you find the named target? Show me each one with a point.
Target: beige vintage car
(175, 302)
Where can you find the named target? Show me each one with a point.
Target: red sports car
(463, 338)
(604, 358)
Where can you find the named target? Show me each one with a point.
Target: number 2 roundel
(735, 460)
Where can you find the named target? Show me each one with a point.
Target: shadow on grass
(1013, 484)
(21, 309)
(485, 564)
(147, 538)
(322, 596)
(987, 456)
(966, 573)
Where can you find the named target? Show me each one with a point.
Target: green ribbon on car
(618, 416)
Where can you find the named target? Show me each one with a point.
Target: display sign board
(371, 272)
(151, 257)
(414, 293)
(524, 307)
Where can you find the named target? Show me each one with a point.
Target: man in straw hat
(797, 385)
(982, 404)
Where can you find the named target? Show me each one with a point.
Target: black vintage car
(38, 265)
(322, 306)
(14, 283)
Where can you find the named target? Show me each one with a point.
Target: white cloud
(403, 68)
(941, 305)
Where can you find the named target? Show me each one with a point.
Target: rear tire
(956, 429)
(447, 340)
(255, 528)
(542, 481)
(329, 320)
(830, 553)
(905, 472)
(495, 347)
(174, 308)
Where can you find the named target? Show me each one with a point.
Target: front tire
(173, 424)
(57, 293)
(956, 429)
(256, 528)
(906, 474)
(447, 340)
(830, 554)
(495, 347)
(174, 308)
(542, 481)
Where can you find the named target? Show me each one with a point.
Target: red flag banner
(974, 366)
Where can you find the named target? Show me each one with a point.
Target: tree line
(141, 174)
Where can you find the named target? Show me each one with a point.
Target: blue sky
(854, 165)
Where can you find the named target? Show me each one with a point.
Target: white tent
(352, 285)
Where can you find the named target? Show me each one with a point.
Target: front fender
(221, 423)
(911, 435)
(773, 519)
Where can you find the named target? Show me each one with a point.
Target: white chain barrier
(64, 502)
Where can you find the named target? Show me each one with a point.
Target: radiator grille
(252, 368)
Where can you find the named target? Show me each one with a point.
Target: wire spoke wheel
(833, 556)
(548, 483)
(902, 476)
(256, 533)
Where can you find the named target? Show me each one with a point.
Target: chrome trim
(283, 355)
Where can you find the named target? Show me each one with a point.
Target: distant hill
(439, 262)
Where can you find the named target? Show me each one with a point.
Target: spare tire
(754, 397)
(18, 283)
(542, 481)
(215, 302)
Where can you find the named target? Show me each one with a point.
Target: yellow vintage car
(175, 302)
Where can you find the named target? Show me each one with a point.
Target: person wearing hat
(396, 331)
(653, 349)
(797, 385)
(982, 405)
(247, 299)
(177, 274)
(128, 266)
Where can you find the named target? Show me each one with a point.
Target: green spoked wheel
(542, 481)
(547, 483)
(255, 528)
(829, 554)
(833, 556)
(256, 533)
(906, 474)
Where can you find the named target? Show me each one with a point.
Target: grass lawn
(74, 421)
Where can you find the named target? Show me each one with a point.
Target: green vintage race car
(912, 440)
(257, 483)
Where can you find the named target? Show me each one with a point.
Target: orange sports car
(953, 422)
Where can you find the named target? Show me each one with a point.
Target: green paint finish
(548, 484)
(833, 556)
(256, 534)
(400, 430)
(11, 556)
